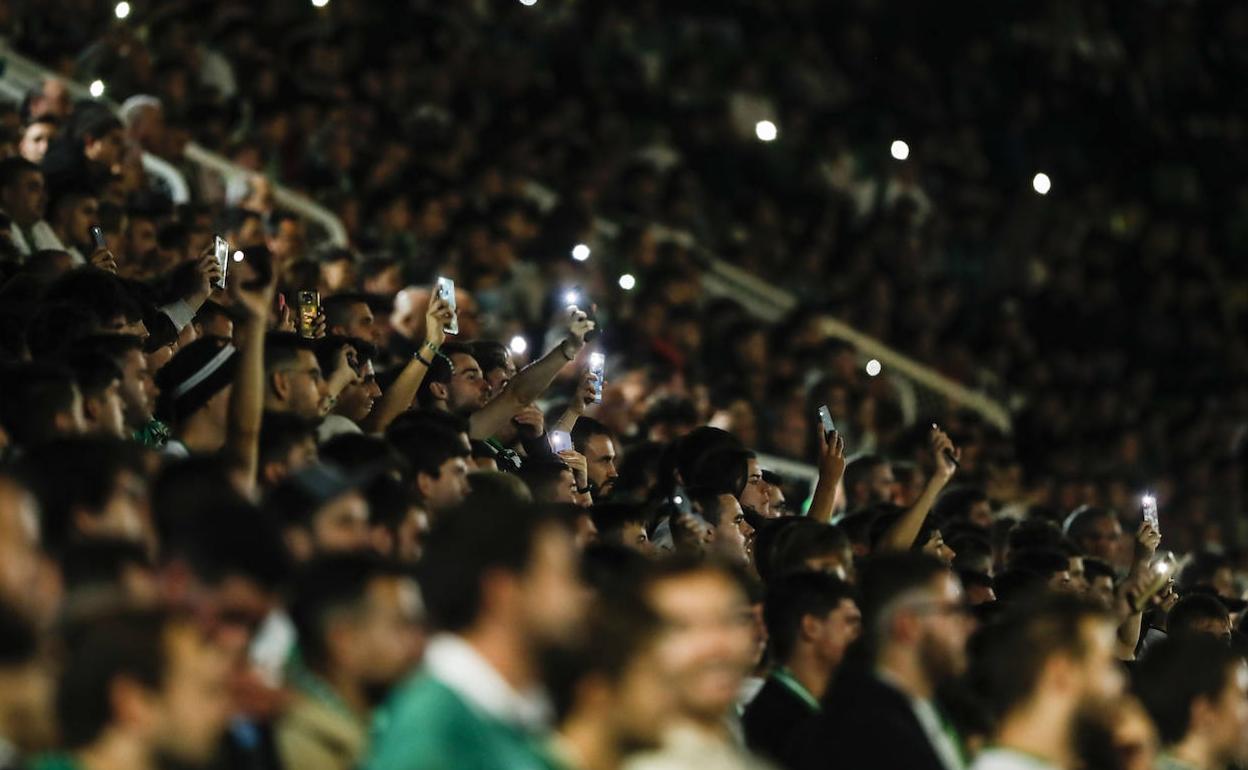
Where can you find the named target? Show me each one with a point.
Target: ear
(424, 484)
(811, 627)
(1061, 674)
(498, 591)
(83, 523)
(280, 385)
(91, 408)
(63, 422)
(131, 705)
(382, 541)
(272, 473)
(439, 391)
(299, 543)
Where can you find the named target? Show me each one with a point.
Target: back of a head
(695, 445)
(1201, 570)
(1176, 672)
(1014, 651)
(130, 645)
(330, 585)
(1197, 614)
(858, 471)
(720, 471)
(956, 504)
(468, 544)
(886, 578)
(803, 540)
(34, 399)
(101, 563)
(543, 478)
(793, 597)
(498, 488)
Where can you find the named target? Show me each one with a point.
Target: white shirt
(1008, 759)
(457, 664)
(42, 235)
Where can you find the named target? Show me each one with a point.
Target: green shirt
(428, 726)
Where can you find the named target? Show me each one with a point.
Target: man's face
(553, 599)
(1101, 540)
(108, 150)
(35, 139)
(1101, 591)
(301, 455)
(450, 487)
(138, 390)
(881, 484)
(357, 399)
(633, 535)
(79, 219)
(194, 704)
(711, 642)
(304, 385)
(109, 412)
(387, 639)
(756, 494)
(469, 391)
(287, 244)
(981, 514)
(140, 237)
(777, 505)
(1219, 628)
(341, 524)
(600, 464)
(837, 630)
(945, 628)
(25, 199)
(361, 324)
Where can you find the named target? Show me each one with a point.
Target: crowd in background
(268, 512)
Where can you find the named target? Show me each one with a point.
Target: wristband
(583, 491)
(432, 348)
(428, 364)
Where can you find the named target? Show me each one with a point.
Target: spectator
(1199, 614)
(1049, 667)
(295, 382)
(359, 633)
(287, 446)
(868, 480)
(1096, 532)
(23, 198)
(437, 457)
(812, 618)
(99, 382)
(914, 619)
(36, 137)
(497, 602)
(596, 442)
(321, 510)
(40, 402)
(137, 390)
(622, 524)
(1194, 689)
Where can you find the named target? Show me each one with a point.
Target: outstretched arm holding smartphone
(901, 536)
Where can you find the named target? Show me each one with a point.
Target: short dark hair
(94, 372)
(1200, 570)
(860, 468)
(541, 476)
(439, 373)
(281, 348)
(11, 170)
(585, 429)
(805, 539)
(1035, 533)
(131, 644)
(955, 504)
(1079, 523)
(793, 597)
(55, 327)
(885, 578)
(337, 307)
(457, 557)
(1046, 561)
(31, 397)
(280, 432)
(490, 354)
(1174, 673)
(327, 587)
(115, 346)
(103, 294)
(1193, 609)
(611, 518)
(721, 471)
(426, 449)
(1095, 568)
(75, 474)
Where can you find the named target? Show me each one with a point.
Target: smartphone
(309, 309)
(1148, 507)
(825, 419)
(446, 290)
(222, 253)
(598, 368)
(97, 236)
(1162, 569)
(560, 440)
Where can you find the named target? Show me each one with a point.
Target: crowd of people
(459, 494)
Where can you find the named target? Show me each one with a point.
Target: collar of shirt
(786, 678)
(1000, 758)
(456, 664)
(939, 733)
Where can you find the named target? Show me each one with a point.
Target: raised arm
(242, 440)
(831, 469)
(901, 536)
(581, 400)
(399, 396)
(531, 381)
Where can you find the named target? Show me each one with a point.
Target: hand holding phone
(221, 252)
(1148, 509)
(309, 309)
(97, 237)
(446, 290)
(598, 368)
(560, 441)
(825, 419)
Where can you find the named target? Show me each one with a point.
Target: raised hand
(104, 260)
(1146, 541)
(831, 454)
(255, 303)
(530, 421)
(438, 315)
(943, 448)
(579, 466)
(579, 324)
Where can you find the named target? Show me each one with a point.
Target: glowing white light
(1041, 183)
(873, 368)
(765, 130)
(580, 252)
(96, 89)
(320, 3)
(597, 360)
(627, 282)
(1161, 568)
(571, 296)
(678, 499)
(900, 150)
(238, 256)
(528, 2)
(122, 10)
(1148, 500)
(518, 345)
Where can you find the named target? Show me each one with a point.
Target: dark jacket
(771, 721)
(865, 725)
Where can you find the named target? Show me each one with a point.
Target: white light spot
(1041, 183)
(238, 256)
(122, 10)
(678, 499)
(900, 150)
(518, 345)
(96, 89)
(627, 282)
(528, 2)
(571, 296)
(580, 252)
(873, 367)
(320, 3)
(597, 361)
(765, 130)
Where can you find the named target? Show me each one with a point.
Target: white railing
(20, 74)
